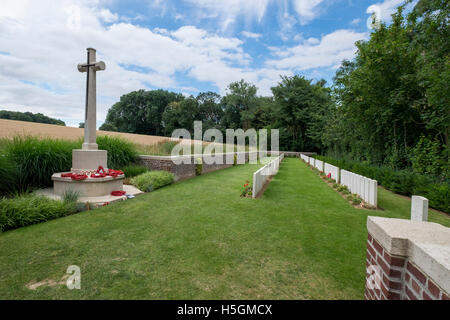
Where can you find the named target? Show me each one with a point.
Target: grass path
(198, 239)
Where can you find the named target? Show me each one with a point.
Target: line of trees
(297, 108)
(29, 117)
(389, 106)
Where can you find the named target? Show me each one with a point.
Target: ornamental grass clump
(152, 180)
(28, 209)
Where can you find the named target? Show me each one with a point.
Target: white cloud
(355, 22)
(307, 9)
(383, 10)
(313, 53)
(107, 16)
(228, 11)
(44, 42)
(251, 35)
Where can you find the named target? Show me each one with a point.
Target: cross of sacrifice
(90, 118)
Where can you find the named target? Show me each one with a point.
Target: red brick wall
(396, 278)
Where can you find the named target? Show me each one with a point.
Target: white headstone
(419, 208)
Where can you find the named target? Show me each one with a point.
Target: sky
(185, 46)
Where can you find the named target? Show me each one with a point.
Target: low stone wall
(187, 170)
(407, 260)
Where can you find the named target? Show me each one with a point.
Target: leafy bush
(133, 170)
(30, 209)
(405, 182)
(356, 201)
(335, 185)
(198, 167)
(120, 152)
(152, 180)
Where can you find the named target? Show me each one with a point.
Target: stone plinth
(88, 160)
(90, 187)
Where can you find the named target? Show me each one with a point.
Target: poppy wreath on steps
(101, 173)
(74, 176)
(118, 193)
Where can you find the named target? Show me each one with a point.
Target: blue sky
(187, 46)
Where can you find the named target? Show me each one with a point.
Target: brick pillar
(407, 260)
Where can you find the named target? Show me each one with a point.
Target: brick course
(400, 278)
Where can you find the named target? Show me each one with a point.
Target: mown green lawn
(197, 239)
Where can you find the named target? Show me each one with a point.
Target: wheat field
(11, 128)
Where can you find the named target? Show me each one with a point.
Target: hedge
(405, 182)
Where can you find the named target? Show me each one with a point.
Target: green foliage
(152, 180)
(37, 159)
(394, 92)
(427, 158)
(140, 112)
(302, 108)
(198, 166)
(71, 196)
(133, 170)
(247, 190)
(9, 174)
(120, 152)
(29, 117)
(31, 209)
(405, 182)
(356, 201)
(335, 185)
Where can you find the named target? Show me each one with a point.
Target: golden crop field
(11, 128)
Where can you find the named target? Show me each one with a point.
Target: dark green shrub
(152, 180)
(133, 170)
(198, 166)
(9, 173)
(350, 197)
(335, 185)
(120, 152)
(31, 209)
(405, 182)
(356, 201)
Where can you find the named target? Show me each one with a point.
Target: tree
(239, 104)
(395, 90)
(301, 107)
(141, 111)
(29, 117)
(181, 115)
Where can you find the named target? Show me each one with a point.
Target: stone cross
(90, 118)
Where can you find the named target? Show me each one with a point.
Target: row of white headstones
(362, 186)
(365, 187)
